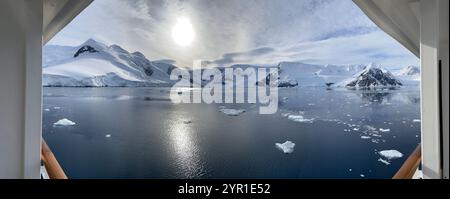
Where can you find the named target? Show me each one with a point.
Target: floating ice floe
(107, 135)
(56, 107)
(384, 161)
(46, 109)
(64, 122)
(287, 147)
(298, 118)
(123, 97)
(390, 154)
(417, 120)
(232, 112)
(365, 137)
(384, 130)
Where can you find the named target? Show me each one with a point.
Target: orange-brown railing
(52, 166)
(410, 166)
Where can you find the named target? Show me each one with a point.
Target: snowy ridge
(409, 75)
(408, 71)
(95, 64)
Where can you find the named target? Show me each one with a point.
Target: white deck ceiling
(399, 19)
(58, 13)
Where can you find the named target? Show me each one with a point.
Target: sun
(183, 32)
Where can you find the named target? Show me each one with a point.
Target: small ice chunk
(299, 118)
(365, 137)
(362, 175)
(232, 112)
(46, 109)
(287, 147)
(64, 122)
(107, 135)
(390, 154)
(123, 97)
(56, 107)
(350, 170)
(417, 120)
(384, 130)
(356, 129)
(384, 161)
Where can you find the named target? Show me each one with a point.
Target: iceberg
(390, 154)
(287, 147)
(64, 122)
(232, 112)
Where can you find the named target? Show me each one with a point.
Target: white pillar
(20, 87)
(429, 39)
(443, 56)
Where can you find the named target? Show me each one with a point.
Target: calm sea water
(140, 133)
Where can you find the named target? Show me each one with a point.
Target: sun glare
(183, 32)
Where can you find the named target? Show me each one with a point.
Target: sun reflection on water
(184, 146)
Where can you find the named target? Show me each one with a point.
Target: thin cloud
(236, 31)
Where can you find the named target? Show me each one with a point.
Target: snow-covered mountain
(95, 64)
(409, 75)
(408, 71)
(297, 74)
(301, 74)
(371, 77)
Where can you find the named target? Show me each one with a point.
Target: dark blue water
(149, 137)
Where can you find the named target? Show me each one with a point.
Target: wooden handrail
(52, 166)
(410, 166)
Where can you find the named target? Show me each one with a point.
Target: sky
(227, 32)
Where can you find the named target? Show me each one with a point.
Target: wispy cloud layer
(236, 31)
